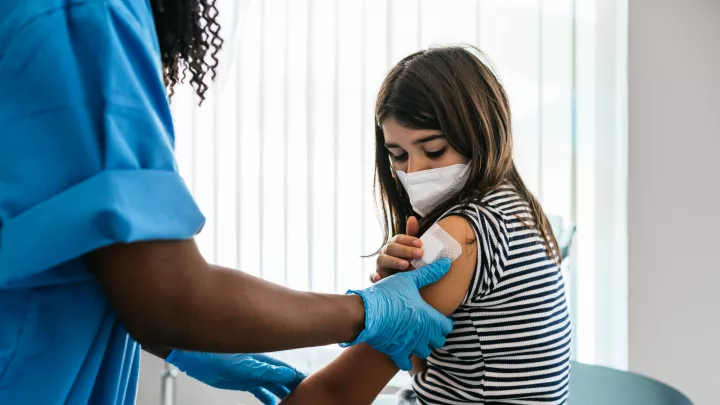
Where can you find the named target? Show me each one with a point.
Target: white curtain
(280, 156)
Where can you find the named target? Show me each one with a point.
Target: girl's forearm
(356, 377)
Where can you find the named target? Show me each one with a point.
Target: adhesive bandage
(437, 244)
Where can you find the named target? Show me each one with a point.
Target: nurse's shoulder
(85, 128)
(17, 15)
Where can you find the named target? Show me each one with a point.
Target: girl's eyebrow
(417, 141)
(428, 138)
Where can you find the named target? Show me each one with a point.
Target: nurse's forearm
(272, 317)
(168, 296)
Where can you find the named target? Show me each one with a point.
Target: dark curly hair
(189, 37)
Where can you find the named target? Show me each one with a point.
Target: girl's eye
(400, 158)
(436, 154)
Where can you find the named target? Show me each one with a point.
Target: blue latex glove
(261, 375)
(398, 322)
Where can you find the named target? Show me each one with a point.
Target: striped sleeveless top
(511, 339)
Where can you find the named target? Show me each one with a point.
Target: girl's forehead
(394, 132)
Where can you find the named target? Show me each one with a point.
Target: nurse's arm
(167, 295)
(360, 373)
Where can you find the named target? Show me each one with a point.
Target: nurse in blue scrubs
(97, 257)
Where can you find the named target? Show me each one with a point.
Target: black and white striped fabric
(511, 340)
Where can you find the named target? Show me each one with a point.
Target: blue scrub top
(86, 160)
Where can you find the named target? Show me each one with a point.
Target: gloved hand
(261, 375)
(397, 320)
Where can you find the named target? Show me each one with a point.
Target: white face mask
(429, 188)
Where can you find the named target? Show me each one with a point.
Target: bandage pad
(437, 244)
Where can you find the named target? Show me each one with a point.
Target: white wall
(674, 194)
(599, 265)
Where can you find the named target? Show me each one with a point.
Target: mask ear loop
(242, 8)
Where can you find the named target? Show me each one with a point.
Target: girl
(444, 153)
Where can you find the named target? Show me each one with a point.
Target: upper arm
(86, 142)
(447, 294)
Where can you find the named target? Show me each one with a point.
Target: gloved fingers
(291, 383)
(277, 374)
(271, 360)
(443, 322)
(437, 341)
(447, 325)
(422, 350)
(279, 363)
(264, 396)
(437, 321)
(278, 390)
(422, 343)
(429, 274)
(265, 372)
(299, 377)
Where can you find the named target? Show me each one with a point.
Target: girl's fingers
(403, 252)
(391, 262)
(406, 240)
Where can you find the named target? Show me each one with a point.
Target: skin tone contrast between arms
(168, 296)
(360, 373)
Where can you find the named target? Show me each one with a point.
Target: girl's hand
(397, 254)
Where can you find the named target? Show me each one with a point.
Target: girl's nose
(416, 165)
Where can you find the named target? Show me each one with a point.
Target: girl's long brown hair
(451, 90)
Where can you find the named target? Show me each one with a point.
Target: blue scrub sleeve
(86, 141)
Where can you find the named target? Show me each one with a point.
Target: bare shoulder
(462, 231)
(448, 294)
